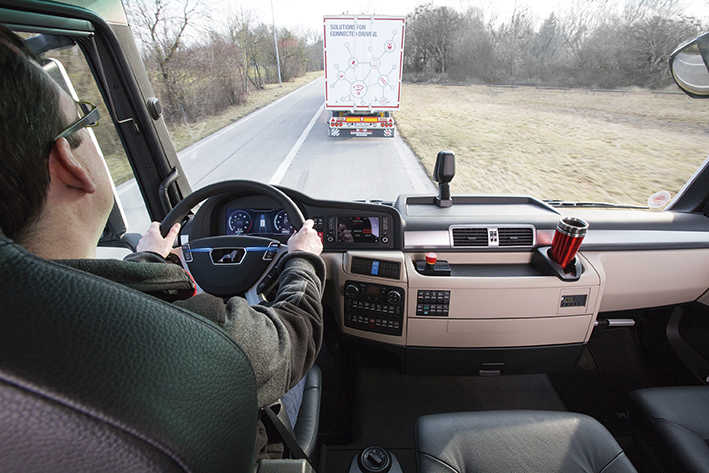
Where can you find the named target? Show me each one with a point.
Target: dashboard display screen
(358, 229)
(257, 221)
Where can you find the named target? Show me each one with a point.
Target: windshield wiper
(565, 203)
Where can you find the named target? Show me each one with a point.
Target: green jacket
(281, 339)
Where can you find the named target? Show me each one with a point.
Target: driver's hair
(30, 118)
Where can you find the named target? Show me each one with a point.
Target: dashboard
(494, 299)
(342, 226)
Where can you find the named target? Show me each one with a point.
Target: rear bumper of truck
(361, 125)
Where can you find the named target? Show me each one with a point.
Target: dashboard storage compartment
(485, 333)
(487, 361)
(499, 301)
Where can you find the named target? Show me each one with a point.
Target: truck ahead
(363, 57)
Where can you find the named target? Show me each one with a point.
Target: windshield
(568, 101)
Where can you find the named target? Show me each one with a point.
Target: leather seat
(675, 421)
(96, 377)
(516, 441)
(306, 426)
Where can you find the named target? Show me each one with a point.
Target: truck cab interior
(452, 342)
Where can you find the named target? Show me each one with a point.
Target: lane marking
(288, 160)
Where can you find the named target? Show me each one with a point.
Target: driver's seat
(97, 377)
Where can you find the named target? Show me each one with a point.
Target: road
(287, 143)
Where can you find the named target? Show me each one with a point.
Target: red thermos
(567, 240)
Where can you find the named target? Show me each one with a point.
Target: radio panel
(355, 231)
(374, 307)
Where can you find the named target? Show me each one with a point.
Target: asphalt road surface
(287, 143)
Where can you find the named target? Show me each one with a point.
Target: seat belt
(286, 435)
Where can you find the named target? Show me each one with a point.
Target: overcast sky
(304, 15)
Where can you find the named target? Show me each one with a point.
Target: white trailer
(363, 58)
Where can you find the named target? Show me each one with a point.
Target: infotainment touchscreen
(358, 229)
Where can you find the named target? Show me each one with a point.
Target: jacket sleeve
(282, 339)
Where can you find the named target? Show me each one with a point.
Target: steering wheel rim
(180, 211)
(229, 265)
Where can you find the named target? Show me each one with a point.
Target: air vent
(510, 236)
(476, 236)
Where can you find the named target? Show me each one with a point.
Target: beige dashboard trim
(427, 239)
(641, 279)
(510, 311)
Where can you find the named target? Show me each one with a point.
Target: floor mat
(387, 404)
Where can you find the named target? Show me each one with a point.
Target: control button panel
(434, 303)
(373, 267)
(374, 307)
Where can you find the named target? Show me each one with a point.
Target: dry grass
(185, 134)
(571, 144)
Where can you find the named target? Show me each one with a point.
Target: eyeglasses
(89, 118)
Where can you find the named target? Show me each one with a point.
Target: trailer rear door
(363, 62)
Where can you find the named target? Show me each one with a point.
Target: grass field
(558, 144)
(185, 134)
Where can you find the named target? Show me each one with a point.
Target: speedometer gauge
(239, 222)
(281, 223)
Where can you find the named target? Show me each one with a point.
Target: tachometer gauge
(281, 223)
(239, 222)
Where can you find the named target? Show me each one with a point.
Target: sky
(306, 15)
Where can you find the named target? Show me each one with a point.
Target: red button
(320, 234)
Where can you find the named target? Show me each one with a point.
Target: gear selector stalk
(375, 460)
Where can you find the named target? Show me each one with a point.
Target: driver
(55, 199)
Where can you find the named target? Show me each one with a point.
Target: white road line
(288, 160)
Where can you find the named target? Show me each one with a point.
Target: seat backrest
(97, 377)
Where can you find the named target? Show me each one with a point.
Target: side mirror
(689, 66)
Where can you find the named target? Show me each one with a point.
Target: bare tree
(639, 10)
(161, 26)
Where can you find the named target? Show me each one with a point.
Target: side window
(126, 189)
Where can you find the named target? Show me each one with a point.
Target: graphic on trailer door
(363, 62)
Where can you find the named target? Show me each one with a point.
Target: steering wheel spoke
(255, 294)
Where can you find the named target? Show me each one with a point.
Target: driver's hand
(153, 240)
(306, 239)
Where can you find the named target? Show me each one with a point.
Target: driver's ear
(65, 169)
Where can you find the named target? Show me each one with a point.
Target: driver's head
(49, 189)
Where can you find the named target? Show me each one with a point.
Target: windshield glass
(559, 100)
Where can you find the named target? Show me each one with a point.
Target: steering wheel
(231, 265)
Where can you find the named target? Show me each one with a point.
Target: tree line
(200, 65)
(592, 44)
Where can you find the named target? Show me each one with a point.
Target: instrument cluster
(257, 222)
